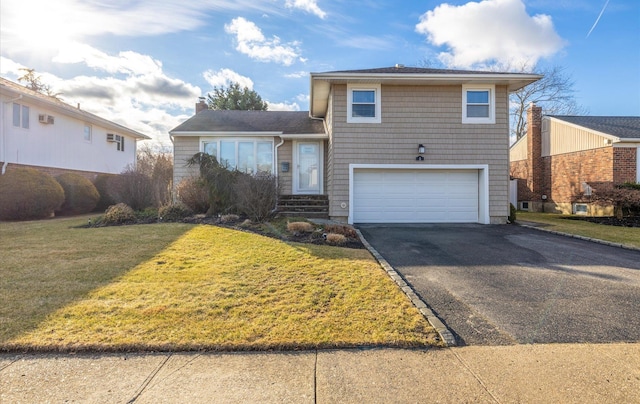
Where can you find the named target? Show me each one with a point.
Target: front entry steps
(309, 206)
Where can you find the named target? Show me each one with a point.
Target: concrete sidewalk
(578, 373)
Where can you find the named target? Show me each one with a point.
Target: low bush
(193, 194)
(118, 214)
(346, 231)
(174, 212)
(26, 193)
(256, 195)
(336, 239)
(300, 227)
(229, 218)
(101, 182)
(132, 188)
(512, 213)
(80, 195)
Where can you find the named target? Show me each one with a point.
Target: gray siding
(412, 115)
(184, 147)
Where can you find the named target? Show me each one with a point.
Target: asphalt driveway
(502, 284)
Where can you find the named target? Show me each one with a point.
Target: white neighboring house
(44, 133)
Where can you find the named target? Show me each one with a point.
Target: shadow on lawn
(48, 264)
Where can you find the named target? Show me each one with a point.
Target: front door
(308, 168)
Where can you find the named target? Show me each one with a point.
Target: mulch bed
(630, 221)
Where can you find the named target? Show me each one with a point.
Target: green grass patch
(616, 234)
(186, 287)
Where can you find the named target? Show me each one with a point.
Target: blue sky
(144, 63)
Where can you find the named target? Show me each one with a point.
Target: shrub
(346, 231)
(101, 182)
(218, 182)
(26, 193)
(147, 215)
(132, 188)
(256, 195)
(118, 214)
(625, 198)
(300, 227)
(158, 166)
(174, 212)
(336, 239)
(80, 195)
(229, 218)
(512, 213)
(193, 194)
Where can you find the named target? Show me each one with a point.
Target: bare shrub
(336, 239)
(132, 188)
(101, 182)
(158, 166)
(625, 198)
(346, 231)
(256, 195)
(300, 227)
(193, 193)
(218, 181)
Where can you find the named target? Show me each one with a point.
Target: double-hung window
(20, 116)
(245, 155)
(363, 103)
(478, 104)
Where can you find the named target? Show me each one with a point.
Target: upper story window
(87, 133)
(245, 155)
(478, 104)
(20, 116)
(363, 103)
(120, 143)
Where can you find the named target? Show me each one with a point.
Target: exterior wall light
(420, 149)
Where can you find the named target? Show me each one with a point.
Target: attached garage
(418, 194)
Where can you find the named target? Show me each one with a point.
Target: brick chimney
(201, 105)
(535, 165)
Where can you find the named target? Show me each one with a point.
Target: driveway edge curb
(593, 240)
(445, 335)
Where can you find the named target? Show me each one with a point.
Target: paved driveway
(495, 285)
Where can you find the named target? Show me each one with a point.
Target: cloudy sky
(144, 63)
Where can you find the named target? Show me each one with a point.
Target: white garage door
(415, 196)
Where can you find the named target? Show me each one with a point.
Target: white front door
(307, 176)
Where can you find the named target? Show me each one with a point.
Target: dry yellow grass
(220, 289)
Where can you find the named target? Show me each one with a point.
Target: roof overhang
(251, 134)
(321, 82)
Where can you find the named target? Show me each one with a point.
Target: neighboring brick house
(395, 145)
(42, 132)
(562, 159)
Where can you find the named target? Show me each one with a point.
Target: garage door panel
(415, 196)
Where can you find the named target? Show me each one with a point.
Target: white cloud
(9, 67)
(310, 6)
(253, 43)
(127, 62)
(283, 106)
(490, 31)
(224, 77)
(297, 75)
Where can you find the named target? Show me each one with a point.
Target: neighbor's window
(120, 143)
(245, 155)
(20, 116)
(478, 104)
(363, 104)
(87, 133)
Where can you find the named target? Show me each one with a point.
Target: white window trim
(371, 87)
(255, 141)
(492, 103)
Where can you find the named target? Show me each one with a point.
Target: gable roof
(16, 90)
(400, 75)
(623, 127)
(250, 122)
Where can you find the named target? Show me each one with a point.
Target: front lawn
(572, 225)
(189, 287)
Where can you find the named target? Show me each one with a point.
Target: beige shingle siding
(412, 115)
(518, 151)
(285, 154)
(184, 147)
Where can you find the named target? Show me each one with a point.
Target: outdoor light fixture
(421, 149)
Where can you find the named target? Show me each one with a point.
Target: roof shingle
(624, 127)
(287, 122)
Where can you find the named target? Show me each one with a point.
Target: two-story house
(388, 145)
(42, 132)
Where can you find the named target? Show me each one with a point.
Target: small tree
(235, 98)
(256, 195)
(158, 166)
(34, 83)
(218, 180)
(625, 198)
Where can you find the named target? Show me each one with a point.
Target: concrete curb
(593, 240)
(445, 335)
